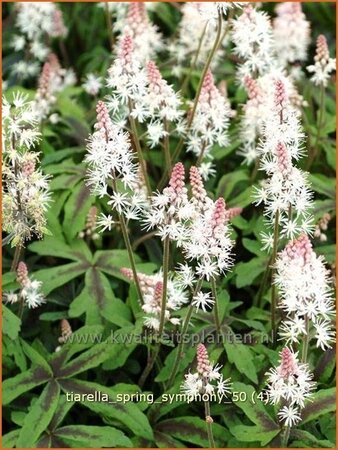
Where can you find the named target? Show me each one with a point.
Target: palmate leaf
(55, 277)
(11, 323)
(242, 357)
(86, 436)
(302, 436)
(194, 431)
(254, 409)
(323, 402)
(39, 416)
(246, 433)
(76, 210)
(98, 301)
(128, 414)
(23, 382)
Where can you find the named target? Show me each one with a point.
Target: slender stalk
(201, 155)
(166, 146)
(306, 340)
(166, 255)
(285, 437)
(209, 421)
(21, 307)
(130, 255)
(193, 64)
(185, 326)
(128, 247)
(138, 148)
(257, 300)
(255, 170)
(109, 25)
(180, 144)
(273, 287)
(16, 258)
(142, 239)
(314, 150)
(216, 314)
(151, 361)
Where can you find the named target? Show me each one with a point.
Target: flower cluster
(110, 160)
(145, 35)
(162, 104)
(291, 22)
(323, 65)
(252, 37)
(30, 291)
(36, 22)
(25, 196)
(305, 294)
(193, 34)
(211, 121)
(290, 385)
(91, 225)
(92, 84)
(53, 79)
(152, 290)
(207, 380)
(285, 194)
(128, 80)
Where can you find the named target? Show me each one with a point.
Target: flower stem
(179, 147)
(285, 437)
(208, 420)
(306, 339)
(130, 255)
(138, 148)
(128, 247)
(315, 150)
(16, 258)
(167, 154)
(185, 326)
(109, 25)
(214, 294)
(166, 255)
(152, 359)
(273, 287)
(193, 64)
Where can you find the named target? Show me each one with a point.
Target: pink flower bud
(22, 274)
(197, 186)
(203, 363)
(300, 248)
(288, 364)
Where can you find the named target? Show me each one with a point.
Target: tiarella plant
(168, 217)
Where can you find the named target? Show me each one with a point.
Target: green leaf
(323, 184)
(311, 440)
(89, 359)
(23, 382)
(9, 440)
(219, 152)
(54, 277)
(111, 261)
(35, 357)
(246, 433)
(76, 210)
(60, 155)
(241, 356)
(100, 301)
(193, 430)
(86, 436)
(247, 272)
(253, 408)
(39, 416)
(229, 181)
(253, 246)
(322, 402)
(11, 324)
(60, 412)
(125, 413)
